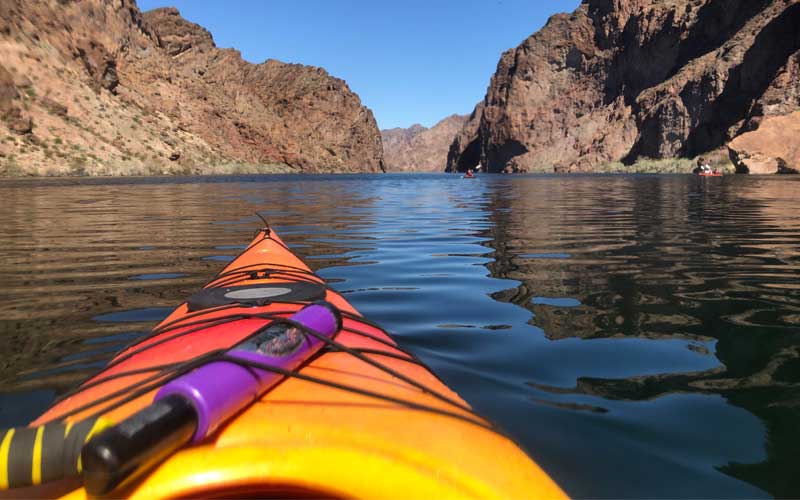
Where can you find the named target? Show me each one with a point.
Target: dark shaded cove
(498, 157)
(466, 160)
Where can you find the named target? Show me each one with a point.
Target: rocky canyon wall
(98, 87)
(620, 80)
(418, 148)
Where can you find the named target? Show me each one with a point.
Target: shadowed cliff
(622, 80)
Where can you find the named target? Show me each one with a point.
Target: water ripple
(617, 327)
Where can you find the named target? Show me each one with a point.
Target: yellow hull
(303, 439)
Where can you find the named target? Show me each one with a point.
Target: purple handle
(220, 389)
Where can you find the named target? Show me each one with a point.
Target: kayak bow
(359, 418)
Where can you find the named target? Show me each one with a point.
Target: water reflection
(637, 335)
(708, 268)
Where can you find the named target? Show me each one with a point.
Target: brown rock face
(420, 149)
(626, 79)
(16, 121)
(99, 63)
(175, 34)
(773, 148)
(112, 90)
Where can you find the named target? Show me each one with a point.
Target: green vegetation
(77, 166)
(246, 169)
(10, 167)
(717, 159)
(648, 166)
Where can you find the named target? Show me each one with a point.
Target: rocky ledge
(98, 87)
(622, 80)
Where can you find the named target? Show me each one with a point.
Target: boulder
(99, 63)
(18, 122)
(770, 149)
(54, 107)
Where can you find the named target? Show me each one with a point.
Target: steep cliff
(97, 87)
(418, 148)
(627, 79)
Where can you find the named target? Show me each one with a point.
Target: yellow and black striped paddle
(30, 456)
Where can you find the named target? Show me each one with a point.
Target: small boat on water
(266, 383)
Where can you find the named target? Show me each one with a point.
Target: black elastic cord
(156, 380)
(364, 392)
(209, 323)
(379, 352)
(168, 372)
(380, 366)
(245, 275)
(179, 369)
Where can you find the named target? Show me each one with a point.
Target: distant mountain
(621, 80)
(419, 148)
(98, 87)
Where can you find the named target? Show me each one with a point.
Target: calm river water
(639, 336)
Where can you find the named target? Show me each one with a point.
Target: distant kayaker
(469, 173)
(703, 167)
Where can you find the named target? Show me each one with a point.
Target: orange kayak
(361, 418)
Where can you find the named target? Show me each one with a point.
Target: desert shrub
(649, 166)
(9, 167)
(77, 165)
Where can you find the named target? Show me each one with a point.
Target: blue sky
(410, 61)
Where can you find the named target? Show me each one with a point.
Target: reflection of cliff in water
(669, 258)
(72, 251)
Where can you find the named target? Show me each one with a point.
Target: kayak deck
(362, 419)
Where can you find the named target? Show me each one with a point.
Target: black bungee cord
(196, 322)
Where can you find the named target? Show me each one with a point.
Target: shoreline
(718, 160)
